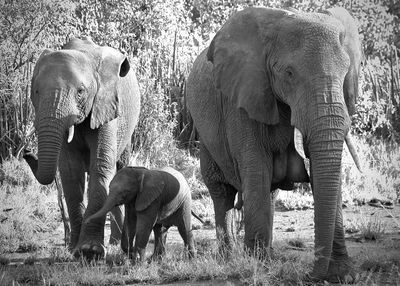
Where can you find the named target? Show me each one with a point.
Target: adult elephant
(266, 73)
(87, 101)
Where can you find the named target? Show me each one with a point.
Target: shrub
(28, 211)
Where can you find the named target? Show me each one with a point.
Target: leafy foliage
(162, 39)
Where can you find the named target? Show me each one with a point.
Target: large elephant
(86, 99)
(154, 200)
(266, 73)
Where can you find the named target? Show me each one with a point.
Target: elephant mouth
(299, 145)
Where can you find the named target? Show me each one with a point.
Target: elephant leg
(72, 173)
(103, 159)
(116, 225)
(160, 238)
(129, 229)
(258, 203)
(223, 196)
(117, 217)
(184, 224)
(145, 223)
(123, 160)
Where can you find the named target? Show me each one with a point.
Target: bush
(380, 163)
(28, 211)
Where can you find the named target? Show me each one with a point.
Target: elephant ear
(352, 46)
(35, 73)
(110, 66)
(151, 187)
(238, 53)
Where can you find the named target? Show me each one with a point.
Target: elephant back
(175, 183)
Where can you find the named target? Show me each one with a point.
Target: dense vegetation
(162, 39)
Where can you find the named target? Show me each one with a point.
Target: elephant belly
(288, 169)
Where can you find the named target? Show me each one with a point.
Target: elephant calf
(154, 199)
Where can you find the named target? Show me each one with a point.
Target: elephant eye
(289, 73)
(81, 90)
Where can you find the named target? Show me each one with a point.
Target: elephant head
(136, 186)
(267, 59)
(68, 86)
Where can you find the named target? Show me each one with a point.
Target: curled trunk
(112, 200)
(50, 136)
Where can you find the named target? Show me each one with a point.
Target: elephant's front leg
(129, 229)
(145, 223)
(258, 203)
(72, 173)
(103, 158)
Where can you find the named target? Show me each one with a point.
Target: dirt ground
(294, 230)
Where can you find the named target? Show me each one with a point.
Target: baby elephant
(154, 199)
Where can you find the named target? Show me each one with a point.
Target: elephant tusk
(70, 133)
(298, 143)
(299, 146)
(353, 151)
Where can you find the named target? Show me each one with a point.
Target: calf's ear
(151, 187)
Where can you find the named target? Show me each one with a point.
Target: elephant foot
(342, 271)
(90, 250)
(155, 257)
(339, 271)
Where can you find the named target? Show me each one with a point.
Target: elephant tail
(197, 216)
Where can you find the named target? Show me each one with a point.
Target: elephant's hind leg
(184, 224)
(160, 239)
(223, 196)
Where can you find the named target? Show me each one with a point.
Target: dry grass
(380, 179)
(175, 266)
(33, 208)
(28, 211)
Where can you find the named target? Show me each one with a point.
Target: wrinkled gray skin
(93, 89)
(153, 199)
(265, 72)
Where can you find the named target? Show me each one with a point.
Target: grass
(29, 212)
(209, 265)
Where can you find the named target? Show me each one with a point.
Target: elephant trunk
(114, 199)
(53, 120)
(50, 135)
(325, 146)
